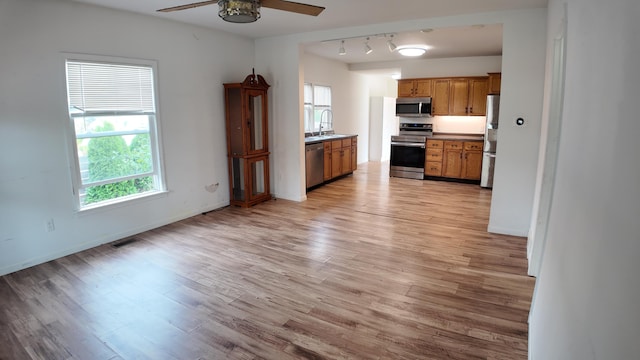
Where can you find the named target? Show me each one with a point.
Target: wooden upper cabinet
(459, 97)
(405, 88)
(478, 90)
(440, 101)
(468, 96)
(423, 88)
(450, 96)
(414, 88)
(495, 81)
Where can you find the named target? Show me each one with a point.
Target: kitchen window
(112, 113)
(317, 108)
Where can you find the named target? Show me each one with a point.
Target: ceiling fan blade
(291, 6)
(188, 6)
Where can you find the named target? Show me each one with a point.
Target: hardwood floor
(368, 268)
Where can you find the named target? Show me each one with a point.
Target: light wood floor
(368, 268)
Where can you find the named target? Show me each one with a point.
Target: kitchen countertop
(464, 137)
(321, 138)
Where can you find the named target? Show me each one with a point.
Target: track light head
(367, 49)
(390, 44)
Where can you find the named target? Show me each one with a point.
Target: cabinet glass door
(256, 122)
(258, 178)
(237, 179)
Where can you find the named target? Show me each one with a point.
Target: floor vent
(124, 242)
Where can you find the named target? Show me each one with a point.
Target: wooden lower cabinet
(454, 159)
(340, 157)
(354, 153)
(327, 160)
(433, 158)
(471, 160)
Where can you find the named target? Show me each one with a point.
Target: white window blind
(99, 87)
(322, 96)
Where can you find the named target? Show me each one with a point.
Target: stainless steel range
(408, 149)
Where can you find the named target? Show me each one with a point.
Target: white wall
(587, 294)
(523, 62)
(35, 183)
(463, 66)
(349, 96)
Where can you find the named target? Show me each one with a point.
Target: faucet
(321, 115)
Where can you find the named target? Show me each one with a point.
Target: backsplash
(459, 124)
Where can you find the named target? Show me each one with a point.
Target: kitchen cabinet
(468, 96)
(414, 88)
(354, 153)
(340, 157)
(327, 160)
(440, 100)
(450, 96)
(471, 160)
(433, 158)
(454, 159)
(495, 81)
(246, 120)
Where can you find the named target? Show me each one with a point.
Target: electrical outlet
(50, 225)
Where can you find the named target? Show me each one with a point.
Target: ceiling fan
(245, 11)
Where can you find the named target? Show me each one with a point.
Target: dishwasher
(314, 164)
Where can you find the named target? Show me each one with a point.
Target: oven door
(407, 159)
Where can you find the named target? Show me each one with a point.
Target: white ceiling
(470, 41)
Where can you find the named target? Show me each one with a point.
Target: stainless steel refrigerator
(490, 141)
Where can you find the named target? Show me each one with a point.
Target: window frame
(313, 108)
(154, 132)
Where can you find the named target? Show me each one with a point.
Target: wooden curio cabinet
(247, 140)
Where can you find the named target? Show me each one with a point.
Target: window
(317, 108)
(113, 116)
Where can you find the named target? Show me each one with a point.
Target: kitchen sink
(322, 137)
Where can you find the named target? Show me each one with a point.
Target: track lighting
(367, 49)
(404, 50)
(342, 51)
(390, 44)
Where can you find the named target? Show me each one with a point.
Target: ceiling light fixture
(239, 11)
(367, 49)
(342, 51)
(412, 50)
(390, 44)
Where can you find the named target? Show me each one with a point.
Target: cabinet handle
(471, 110)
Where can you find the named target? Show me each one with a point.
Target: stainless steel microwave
(413, 107)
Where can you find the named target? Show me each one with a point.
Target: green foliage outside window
(110, 157)
(141, 157)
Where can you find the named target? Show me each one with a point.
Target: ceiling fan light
(239, 11)
(412, 51)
